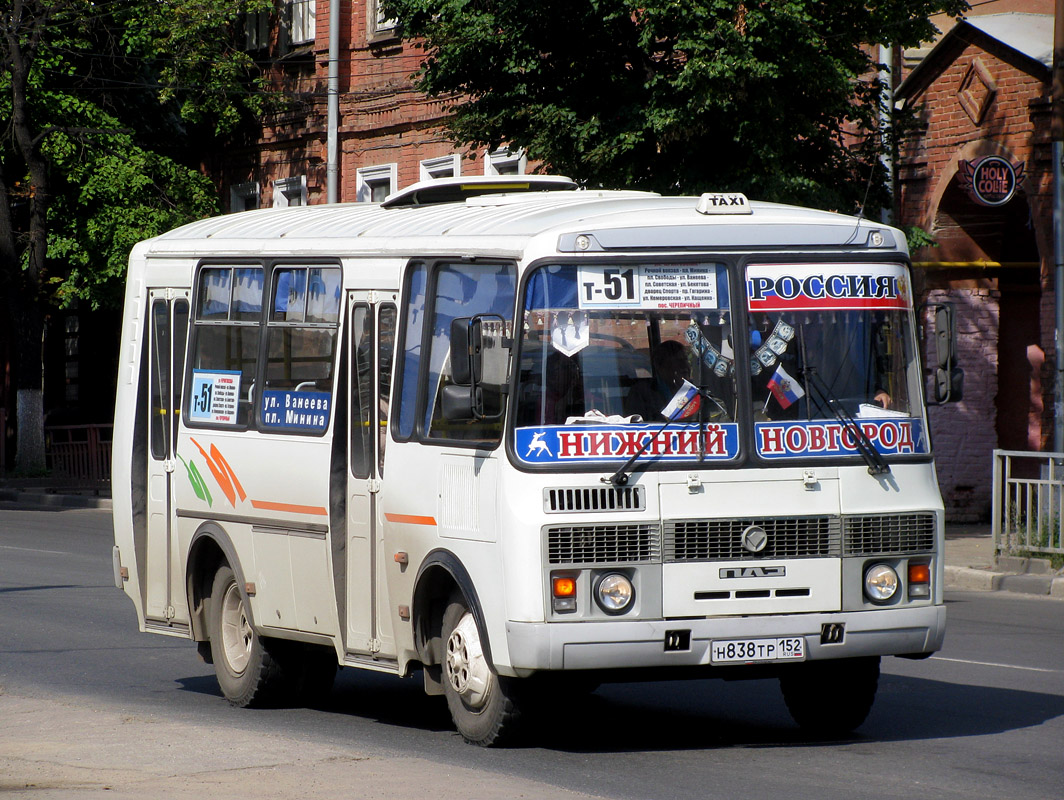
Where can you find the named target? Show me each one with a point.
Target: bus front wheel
(248, 674)
(480, 701)
(831, 698)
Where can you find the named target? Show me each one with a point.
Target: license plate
(745, 651)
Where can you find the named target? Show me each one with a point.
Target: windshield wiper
(877, 465)
(621, 476)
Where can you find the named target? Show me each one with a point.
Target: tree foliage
(761, 96)
(104, 106)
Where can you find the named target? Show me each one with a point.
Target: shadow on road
(699, 714)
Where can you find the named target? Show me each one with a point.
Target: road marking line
(992, 664)
(33, 550)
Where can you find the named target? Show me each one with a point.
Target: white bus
(525, 439)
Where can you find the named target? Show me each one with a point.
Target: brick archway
(947, 183)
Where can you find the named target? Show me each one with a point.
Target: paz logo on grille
(754, 539)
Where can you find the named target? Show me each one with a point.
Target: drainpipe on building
(332, 162)
(1058, 221)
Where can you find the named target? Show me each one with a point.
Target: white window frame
(304, 20)
(290, 191)
(497, 162)
(366, 178)
(244, 197)
(442, 167)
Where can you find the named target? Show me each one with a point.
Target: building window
(257, 30)
(379, 27)
(505, 162)
(244, 197)
(303, 18)
(445, 167)
(373, 184)
(290, 192)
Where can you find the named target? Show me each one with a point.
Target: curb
(984, 580)
(27, 499)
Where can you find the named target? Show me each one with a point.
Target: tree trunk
(21, 283)
(29, 416)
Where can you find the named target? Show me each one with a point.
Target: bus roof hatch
(456, 190)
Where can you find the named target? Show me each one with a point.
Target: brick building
(978, 177)
(387, 135)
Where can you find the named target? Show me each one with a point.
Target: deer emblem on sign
(538, 446)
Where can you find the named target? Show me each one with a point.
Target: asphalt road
(92, 708)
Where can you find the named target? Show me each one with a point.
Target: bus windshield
(614, 358)
(833, 360)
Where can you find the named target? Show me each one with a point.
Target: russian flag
(784, 388)
(684, 403)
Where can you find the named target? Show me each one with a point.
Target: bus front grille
(603, 544)
(722, 539)
(594, 498)
(889, 533)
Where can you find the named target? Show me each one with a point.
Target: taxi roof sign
(723, 203)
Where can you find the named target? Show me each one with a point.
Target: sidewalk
(970, 557)
(971, 565)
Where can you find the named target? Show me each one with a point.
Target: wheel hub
(237, 636)
(467, 668)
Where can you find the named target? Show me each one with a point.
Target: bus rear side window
(226, 345)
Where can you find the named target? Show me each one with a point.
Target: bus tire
(831, 698)
(480, 701)
(248, 673)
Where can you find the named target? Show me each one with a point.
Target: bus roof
(605, 220)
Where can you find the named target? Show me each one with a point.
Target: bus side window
(409, 363)
(361, 390)
(461, 291)
(385, 349)
(301, 330)
(225, 341)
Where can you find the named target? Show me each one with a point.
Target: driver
(671, 368)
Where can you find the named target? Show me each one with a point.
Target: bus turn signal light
(919, 581)
(564, 590)
(564, 587)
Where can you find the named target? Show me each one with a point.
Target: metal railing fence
(1028, 502)
(80, 454)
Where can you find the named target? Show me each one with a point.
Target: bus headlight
(614, 593)
(880, 583)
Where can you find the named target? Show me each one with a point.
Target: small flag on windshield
(784, 388)
(684, 403)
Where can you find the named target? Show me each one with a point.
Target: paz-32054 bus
(526, 438)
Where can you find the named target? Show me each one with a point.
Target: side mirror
(465, 350)
(479, 353)
(949, 378)
(459, 403)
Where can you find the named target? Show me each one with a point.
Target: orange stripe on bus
(266, 505)
(410, 519)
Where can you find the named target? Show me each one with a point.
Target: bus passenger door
(167, 334)
(371, 331)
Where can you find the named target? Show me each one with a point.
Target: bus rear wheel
(248, 673)
(480, 701)
(831, 698)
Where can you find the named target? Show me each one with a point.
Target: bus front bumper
(615, 644)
